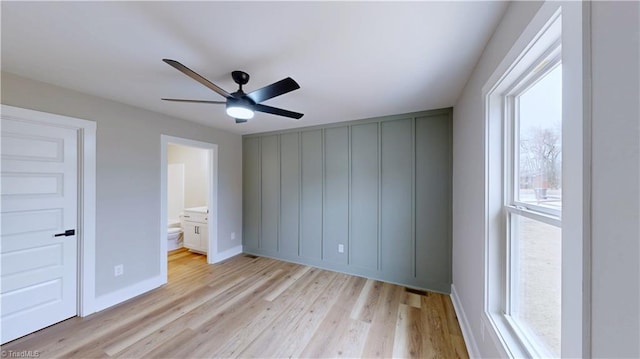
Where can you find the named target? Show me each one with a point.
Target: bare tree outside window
(540, 143)
(541, 158)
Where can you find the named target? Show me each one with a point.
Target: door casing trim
(86, 233)
(212, 148)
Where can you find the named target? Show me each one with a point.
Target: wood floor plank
(164, 349)
(151, 324)
(350, 343)
(286, 284)
(337, 337)
(154, 340)
(411, 299)
(408, 341)
(197, 322)
(299, 322)
(176, 255)
(438, 338)
(251, 306)
(86, 352)
(334, 337)
(381, 335)
(127, 335)
(343, 303)
(367, 311)
(198, 312)
(224, 327)
(308, 287)
(362, 299)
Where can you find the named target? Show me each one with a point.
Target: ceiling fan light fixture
(240, 112)
(239, 108)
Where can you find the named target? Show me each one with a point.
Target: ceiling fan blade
(277, 111)
(187, 71)
(193, 101)
(239, 120)
(275, 89)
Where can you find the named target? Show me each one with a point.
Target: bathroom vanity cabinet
(195, 227)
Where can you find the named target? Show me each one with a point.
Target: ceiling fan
(240, 105)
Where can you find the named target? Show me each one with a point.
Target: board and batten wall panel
(270, 193)
(433, 199)
(311, 207)
(251, 194)
(336, 194)
(396, 242)
(379, 187)
(363, 244)
(290, 193)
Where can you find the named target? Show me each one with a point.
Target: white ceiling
(353, 60)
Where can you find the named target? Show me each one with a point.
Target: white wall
(128, 176)
(175, 191)
(616, 179)
(468, 173)
(196, 173)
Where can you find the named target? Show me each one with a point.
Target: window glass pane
(536, 280)
(539, 142)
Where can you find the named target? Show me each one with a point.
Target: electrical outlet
(118, 270)
(340, 248)
(233, 235)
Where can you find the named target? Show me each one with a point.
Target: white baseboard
(108, 300)
(219, 257)
(467, 333)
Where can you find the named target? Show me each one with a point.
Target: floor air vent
(416, 291)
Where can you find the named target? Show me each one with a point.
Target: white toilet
(174, 235)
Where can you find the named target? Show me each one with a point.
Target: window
(533, 204)
(536, 208)
(538, 191)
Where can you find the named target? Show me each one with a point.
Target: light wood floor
(259, 307)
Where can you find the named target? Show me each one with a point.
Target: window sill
(505, 336)
(509, 336)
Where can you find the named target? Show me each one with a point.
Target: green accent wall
(380, 188)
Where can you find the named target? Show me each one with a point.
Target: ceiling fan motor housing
(240, 100)
(240, 77)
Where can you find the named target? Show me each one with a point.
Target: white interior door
(39, 173)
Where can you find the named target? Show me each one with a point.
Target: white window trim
(576, 198)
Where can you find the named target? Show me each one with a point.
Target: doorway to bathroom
(189, 198)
